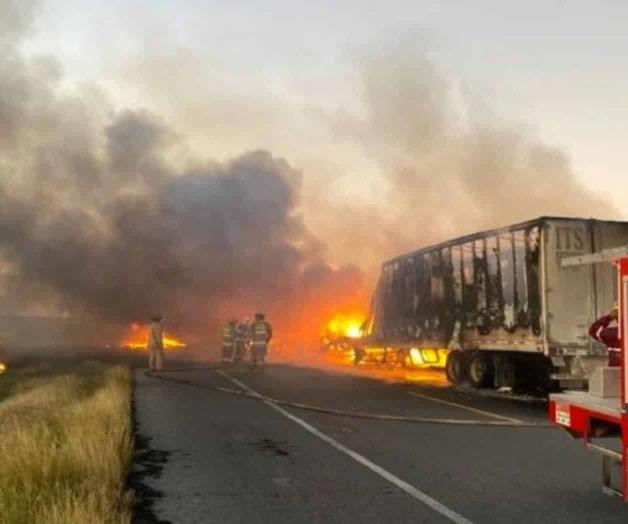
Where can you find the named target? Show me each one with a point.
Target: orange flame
(138, 338)
(341, 325)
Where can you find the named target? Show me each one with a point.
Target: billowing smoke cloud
(107, 212)
(448, 166)
(416, 158)
(101, 212)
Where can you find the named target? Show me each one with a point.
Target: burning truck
(491, 307)
(341, 335)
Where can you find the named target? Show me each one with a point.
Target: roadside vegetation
(65, 443)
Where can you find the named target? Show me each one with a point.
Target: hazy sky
(246, 74)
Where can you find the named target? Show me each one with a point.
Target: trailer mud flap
(504, 375)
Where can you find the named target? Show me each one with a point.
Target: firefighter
(243, 339)
(228, 340)
(155, 344)
(261, 333)
(602, 331)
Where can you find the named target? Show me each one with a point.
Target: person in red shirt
(602, 331)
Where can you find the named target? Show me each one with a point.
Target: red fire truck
(600, 416)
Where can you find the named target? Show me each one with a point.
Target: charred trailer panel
(498, 303)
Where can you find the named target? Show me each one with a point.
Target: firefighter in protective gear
(155, 344)
(228, 340)
(243, 339)
(605, 330)
(261, 333)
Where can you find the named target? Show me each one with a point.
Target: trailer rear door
(568, 290)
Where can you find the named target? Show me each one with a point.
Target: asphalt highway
(230, 459)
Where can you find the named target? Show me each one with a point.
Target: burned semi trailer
(498, 304)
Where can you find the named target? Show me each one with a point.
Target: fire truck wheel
(455, 367)
(479, 369)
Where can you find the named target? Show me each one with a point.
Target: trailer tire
(480, 369)
(455, 367)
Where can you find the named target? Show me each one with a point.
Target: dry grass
(65, 445)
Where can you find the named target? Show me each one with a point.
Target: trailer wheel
(480, 369)
(455, 367)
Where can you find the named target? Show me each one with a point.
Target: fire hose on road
(339, 412)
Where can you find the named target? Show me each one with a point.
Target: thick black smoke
(101, 212)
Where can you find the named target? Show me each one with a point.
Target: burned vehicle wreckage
(495, 308)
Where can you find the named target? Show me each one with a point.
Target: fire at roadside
(137, 339)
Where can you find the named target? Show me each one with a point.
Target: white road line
(361, 459)
(468, 408)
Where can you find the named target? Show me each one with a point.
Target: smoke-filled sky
(203, 155)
